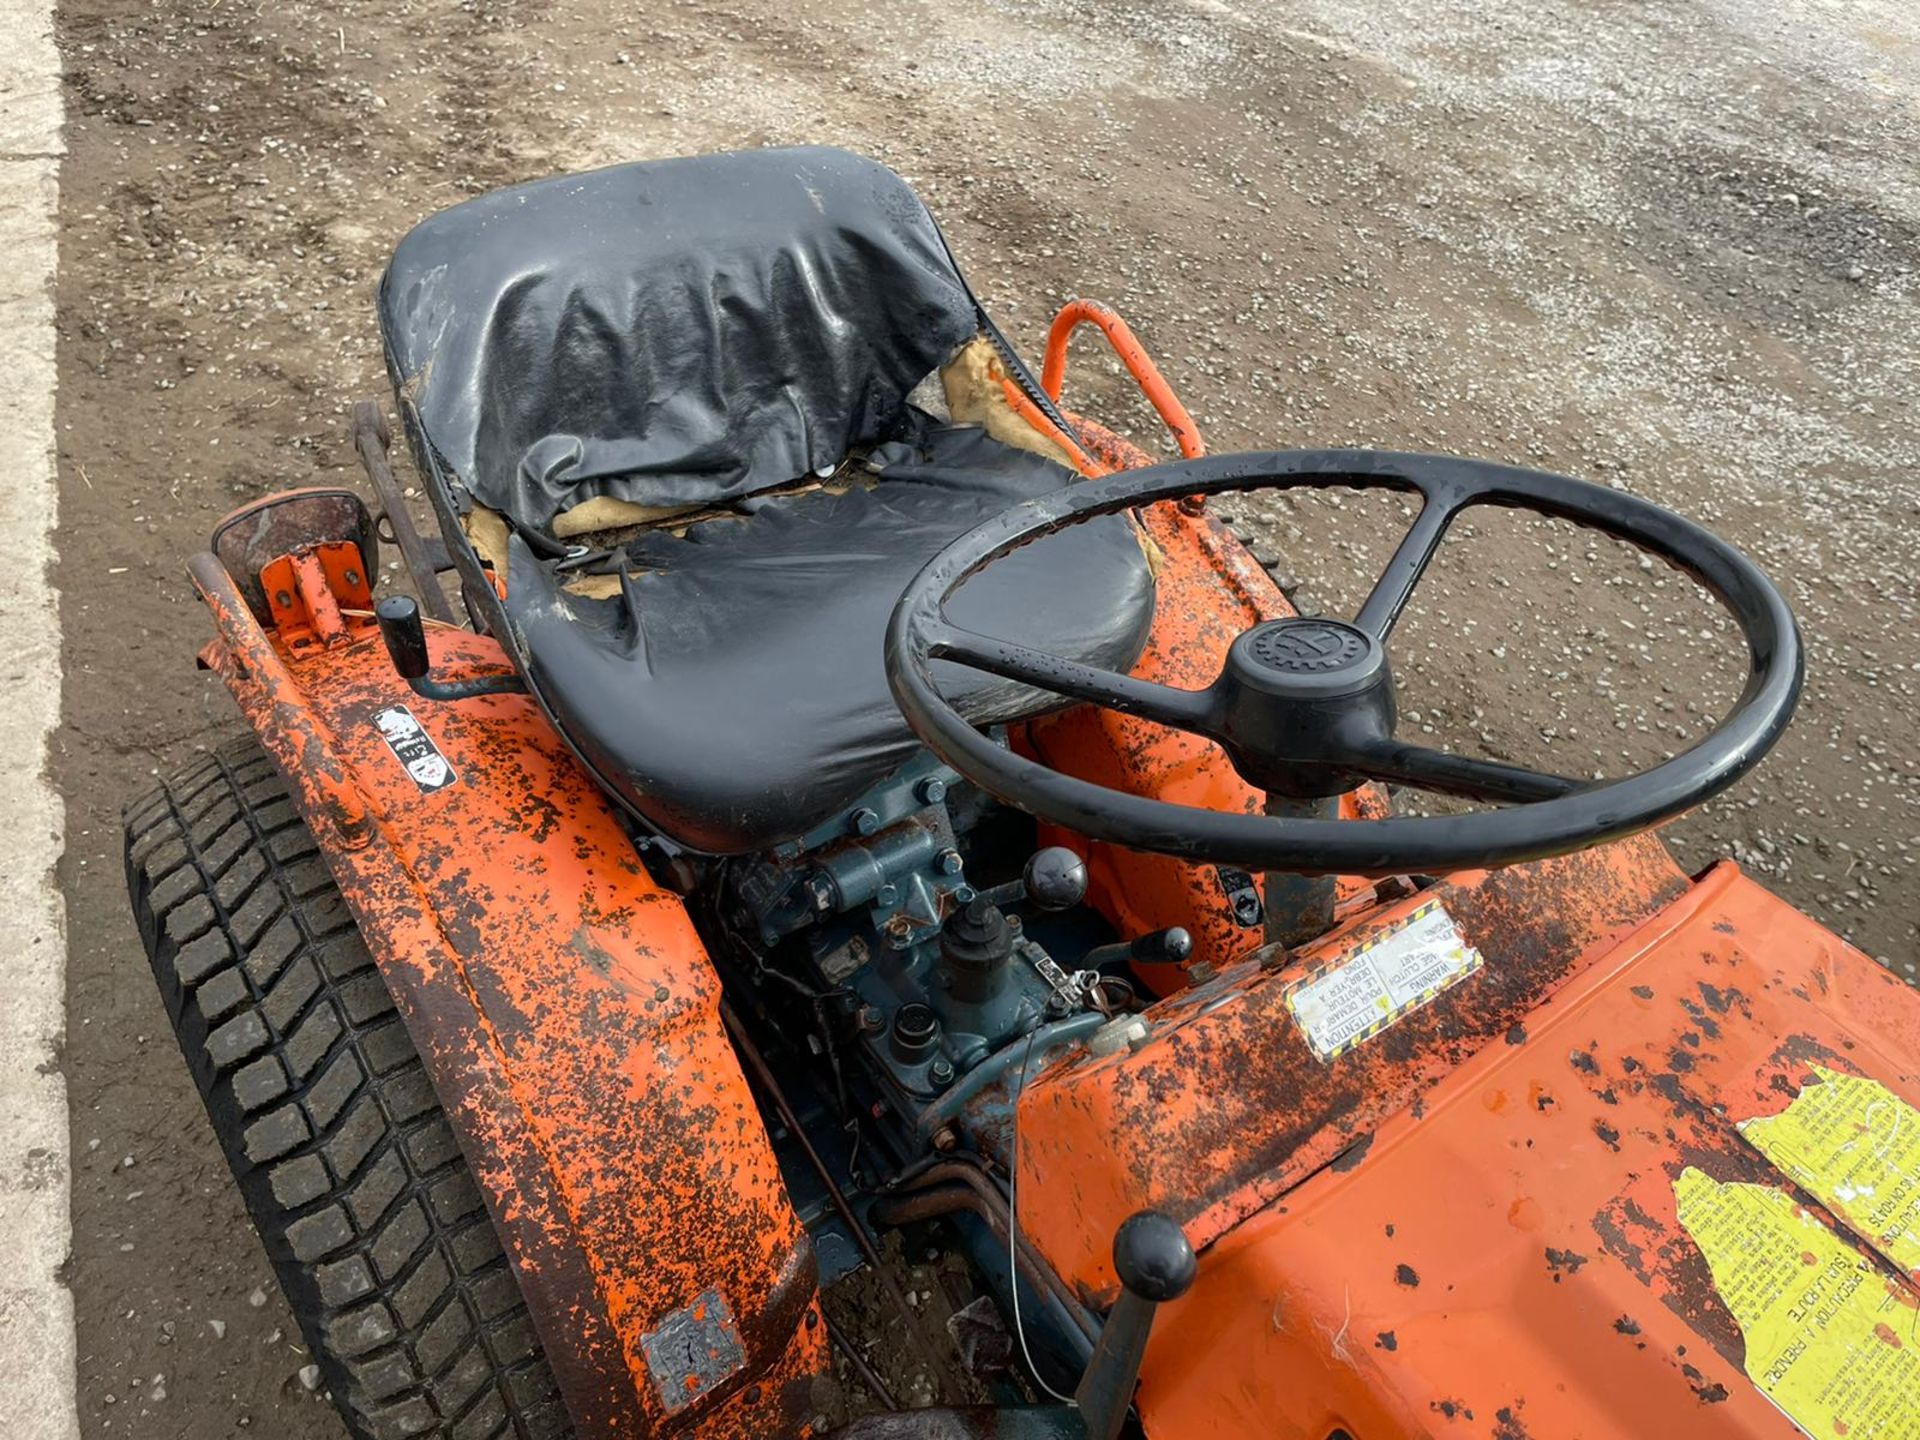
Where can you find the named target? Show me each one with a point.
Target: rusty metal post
(1299, 907)
(371, 438)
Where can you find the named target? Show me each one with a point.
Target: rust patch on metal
(1132, 1131)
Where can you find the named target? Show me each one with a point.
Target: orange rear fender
(570, 1019)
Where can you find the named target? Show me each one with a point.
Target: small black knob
(1153, 1258)
(1157, 947)
(1055, 878)
(1163, 947)
(406, 637)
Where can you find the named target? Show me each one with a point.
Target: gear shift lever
(1055, 879)
(1155, 1264)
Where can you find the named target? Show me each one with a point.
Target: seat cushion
(734, 693)
(668, 333)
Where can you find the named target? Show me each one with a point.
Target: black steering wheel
(1304, 708)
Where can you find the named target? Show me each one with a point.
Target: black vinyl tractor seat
(701, 335)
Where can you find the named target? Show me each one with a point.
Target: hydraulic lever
(406, 637)
(1156, 1264)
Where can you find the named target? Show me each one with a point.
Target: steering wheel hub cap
(1306, 647)
(1305, 659)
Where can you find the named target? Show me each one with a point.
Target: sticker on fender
(414, 749)
(1393, 972)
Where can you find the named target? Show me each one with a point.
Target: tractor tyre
(349, 1168)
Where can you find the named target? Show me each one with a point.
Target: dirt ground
(1670, 246)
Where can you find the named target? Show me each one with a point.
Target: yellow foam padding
(603, 512)
(594, 587)
(975, 396)
(487, 533)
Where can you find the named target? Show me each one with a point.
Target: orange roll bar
(1133, 355)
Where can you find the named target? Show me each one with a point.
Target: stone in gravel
(257, 1297)
(310, 1376)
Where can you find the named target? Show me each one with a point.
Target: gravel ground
(1669, 246)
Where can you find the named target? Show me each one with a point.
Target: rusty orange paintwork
(311, 595)
(1504, 1258)
(1465, 1226)
(1132, 354)
(570, 1019)
(1022, 405)
(1140, 1130)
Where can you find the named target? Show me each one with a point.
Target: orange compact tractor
(872, 811)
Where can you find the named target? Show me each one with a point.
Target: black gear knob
(1155, 1264)
(1055, 878)
(406, 636)
(1152, 1257)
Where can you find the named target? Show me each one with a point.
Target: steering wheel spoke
(1192, 710)
(1381, 610)
(1445, 773)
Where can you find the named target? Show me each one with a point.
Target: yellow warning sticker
(1830, 1340)
(1855, 1145)
(1359, 992)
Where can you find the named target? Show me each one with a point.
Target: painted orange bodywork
(568, 1014)
(1503, 1257)
(1467, 1224)
(1139, 1130)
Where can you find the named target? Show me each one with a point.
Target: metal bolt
(865, 821)
(949, 862)
(933, 790)
(871, 1020)
(944, 1139)
(941, 1072)
(821, 889)
(898, 939)
(353, 577)
(889, 895)
(283, 599)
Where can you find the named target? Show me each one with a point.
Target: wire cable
(1013, 1232)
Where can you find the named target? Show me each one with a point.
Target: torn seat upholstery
(681, 335)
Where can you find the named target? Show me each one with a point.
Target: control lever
(1155, 1264)
(406, 637)
(1054, 879)
(1157, 947)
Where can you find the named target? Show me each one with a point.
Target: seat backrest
(669, 333)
